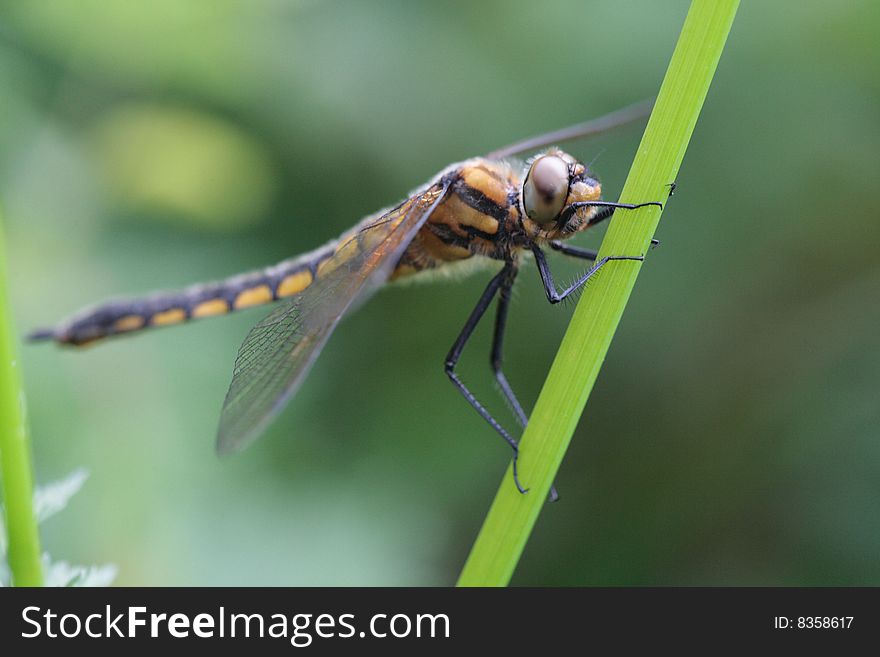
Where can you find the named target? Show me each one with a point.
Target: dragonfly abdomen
(125, 316)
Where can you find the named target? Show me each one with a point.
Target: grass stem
(16, 473)
(512, 516)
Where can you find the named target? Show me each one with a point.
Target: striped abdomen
(471, 220)
(206, 300)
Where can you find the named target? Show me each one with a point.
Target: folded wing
(278, 352)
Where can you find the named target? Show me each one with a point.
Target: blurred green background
(732, 437)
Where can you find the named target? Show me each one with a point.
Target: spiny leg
(584, 254)
(554, 295)
(578, 252)
(607, 209)
(601, 215)
(455, 353)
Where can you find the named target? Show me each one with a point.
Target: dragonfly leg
(578, 252)
(554, 295)
(452, 358)
(607, 209)
(497, 358)
(603, 214)
(574, 251)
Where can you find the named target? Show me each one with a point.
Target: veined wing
(277, 353)
(589, 128)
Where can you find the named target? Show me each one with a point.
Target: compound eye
(545, 189)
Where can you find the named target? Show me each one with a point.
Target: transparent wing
(277, 353)
(589, 128)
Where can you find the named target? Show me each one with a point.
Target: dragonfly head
(554, 185)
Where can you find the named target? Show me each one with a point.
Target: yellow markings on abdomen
(294, 283)
(172, 316)
(254, 296)
(210, 308)
(345, 251)
(129, 323)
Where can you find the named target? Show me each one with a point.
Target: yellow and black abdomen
(472, 220)
(125, 316)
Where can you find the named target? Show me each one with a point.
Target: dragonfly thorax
(494, 209)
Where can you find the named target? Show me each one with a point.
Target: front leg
(607, 209)
(578, 252)
(554, 295)
(574, 251)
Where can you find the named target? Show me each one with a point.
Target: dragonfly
(488, 209)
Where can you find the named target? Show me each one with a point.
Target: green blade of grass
(16, 475)
(512, 515)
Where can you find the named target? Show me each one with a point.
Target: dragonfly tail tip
(224, 446)
(40, 335)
